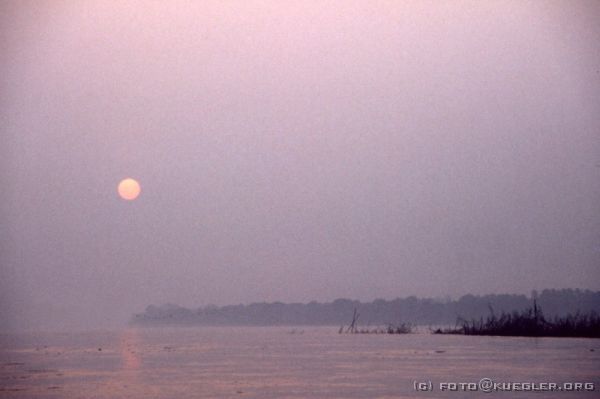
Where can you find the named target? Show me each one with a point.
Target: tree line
(422, 311)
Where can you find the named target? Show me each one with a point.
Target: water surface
(282, 362)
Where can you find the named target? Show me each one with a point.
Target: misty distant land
(417, 311)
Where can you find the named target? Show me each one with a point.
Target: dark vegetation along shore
(565, 313)
(529, 323)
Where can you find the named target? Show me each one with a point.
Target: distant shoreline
(413, 310)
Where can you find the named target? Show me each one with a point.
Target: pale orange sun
(129, 189)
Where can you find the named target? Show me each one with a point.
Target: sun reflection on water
(129, 348)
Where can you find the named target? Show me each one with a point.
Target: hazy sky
(293, 151)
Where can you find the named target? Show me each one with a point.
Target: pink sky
(294, 151)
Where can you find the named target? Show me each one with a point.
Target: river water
(290, 362)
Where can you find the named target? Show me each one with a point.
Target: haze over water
(293, 151)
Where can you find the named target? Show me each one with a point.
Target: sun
(129, 189)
